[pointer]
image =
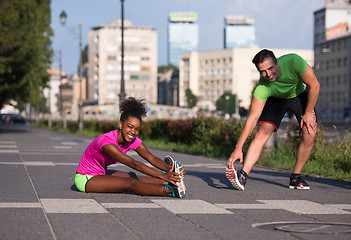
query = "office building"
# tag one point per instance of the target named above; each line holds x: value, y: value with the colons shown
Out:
x: 183, y: 35
x: 140, y: 63
x: 332, y: 48
x: 239, y: 31
x: 210, y: 73
x: 168, y: 89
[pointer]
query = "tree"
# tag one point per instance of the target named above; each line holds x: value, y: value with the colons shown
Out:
x: 226, y: 102
x: 84, y: 57
x: 25, y: 49
x: 162, y: 68
x: 191, y: 98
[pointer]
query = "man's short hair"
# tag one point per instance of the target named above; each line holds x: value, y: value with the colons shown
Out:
x: 262, y: 55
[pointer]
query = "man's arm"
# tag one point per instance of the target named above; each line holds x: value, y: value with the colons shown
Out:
x: 255, y: 113
x: 311, y: 81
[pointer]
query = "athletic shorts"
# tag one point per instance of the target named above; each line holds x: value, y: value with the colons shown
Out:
x: 81, y: 180
x: 275, y: 109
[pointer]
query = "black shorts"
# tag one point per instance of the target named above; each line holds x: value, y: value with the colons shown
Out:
x: 275, y: 109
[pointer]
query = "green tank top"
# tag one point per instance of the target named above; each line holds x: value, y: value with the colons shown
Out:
x: 289, y: 84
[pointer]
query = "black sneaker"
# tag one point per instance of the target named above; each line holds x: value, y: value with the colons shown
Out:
x: 178, y: 168
x: 298, y: 183
x: 238, y: 180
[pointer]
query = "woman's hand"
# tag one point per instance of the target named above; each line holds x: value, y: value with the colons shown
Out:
x: 172, y: 177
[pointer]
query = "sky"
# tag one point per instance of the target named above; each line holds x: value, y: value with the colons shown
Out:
x: 286, y: 24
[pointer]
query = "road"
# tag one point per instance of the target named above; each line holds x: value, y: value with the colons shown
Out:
x: 38, y: 199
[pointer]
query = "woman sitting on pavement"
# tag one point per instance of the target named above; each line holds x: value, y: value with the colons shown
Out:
x: 111, y: 147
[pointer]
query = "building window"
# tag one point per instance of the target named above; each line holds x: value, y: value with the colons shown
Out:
x: 112, y: 48
x: 111, y: 58
x: 145, y: 68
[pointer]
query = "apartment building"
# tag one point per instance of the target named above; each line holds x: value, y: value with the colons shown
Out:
x: 332, y: 48
x: 140, y: 63
x: 210, y: 73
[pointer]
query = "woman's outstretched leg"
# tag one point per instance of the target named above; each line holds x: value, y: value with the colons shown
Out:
x: 144, y: 179
x: 114, y: 184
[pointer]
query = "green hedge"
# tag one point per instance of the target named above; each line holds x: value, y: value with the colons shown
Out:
x: 211, y: 137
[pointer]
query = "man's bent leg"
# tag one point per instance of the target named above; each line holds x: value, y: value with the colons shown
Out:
x: 262, y: 136
x: 304, y: 150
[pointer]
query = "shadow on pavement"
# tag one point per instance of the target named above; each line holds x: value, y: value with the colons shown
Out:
x: 212, y: 178
x: 12, y: 128
x: 320, y: 180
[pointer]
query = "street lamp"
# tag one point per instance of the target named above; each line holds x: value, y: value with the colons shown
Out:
x: 227, y: 103
x: 63, y: 18
x: 122, y: 94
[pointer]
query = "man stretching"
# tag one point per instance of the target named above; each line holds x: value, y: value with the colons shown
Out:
x: 281, y: 88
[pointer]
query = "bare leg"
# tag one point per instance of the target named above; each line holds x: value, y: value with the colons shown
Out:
x: 144, y: 179
x: 304, y: 150
x: 255, y: 149
x: 114, y: 184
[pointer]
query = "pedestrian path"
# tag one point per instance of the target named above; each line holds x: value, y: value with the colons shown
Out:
x: 38, y: 199
x: 193, y: 206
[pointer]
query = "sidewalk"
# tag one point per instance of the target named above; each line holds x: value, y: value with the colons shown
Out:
x: 38, y: 199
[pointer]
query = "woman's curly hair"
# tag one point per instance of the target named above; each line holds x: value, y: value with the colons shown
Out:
x: 132, y: 107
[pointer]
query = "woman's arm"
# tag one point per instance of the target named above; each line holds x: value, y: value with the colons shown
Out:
x: 148, y: 156
x: 116, y: 154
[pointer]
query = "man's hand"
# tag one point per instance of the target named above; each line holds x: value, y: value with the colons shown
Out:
x: 236, y: 154
x: 309, y: 120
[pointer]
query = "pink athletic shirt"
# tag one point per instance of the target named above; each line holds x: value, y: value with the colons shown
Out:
x: 95, y: 161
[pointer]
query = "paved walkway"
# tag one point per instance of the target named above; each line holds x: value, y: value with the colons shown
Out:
x: 39, y: 201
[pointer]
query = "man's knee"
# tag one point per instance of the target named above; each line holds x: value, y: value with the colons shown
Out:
x: 309, y: 138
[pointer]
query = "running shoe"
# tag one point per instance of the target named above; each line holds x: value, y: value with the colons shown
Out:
x: 238, y: 180
x: 169, y: 161
x: 175, y: 190
x: 298, y: 183
x: 178, y: 168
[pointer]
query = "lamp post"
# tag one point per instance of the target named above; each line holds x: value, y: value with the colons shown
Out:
x: 122, y: 94
x: 63, y: 18
x: 227, y: 104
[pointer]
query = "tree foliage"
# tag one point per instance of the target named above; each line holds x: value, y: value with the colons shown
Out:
x: 162, y: 68
x: 191, y: 98
x: 226, y: 102
x: 25, y: 49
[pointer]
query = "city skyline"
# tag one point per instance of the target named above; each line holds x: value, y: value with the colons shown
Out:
x: 278, y: 23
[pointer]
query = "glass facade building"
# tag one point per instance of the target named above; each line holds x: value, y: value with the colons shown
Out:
x: 239, y: 31
x: 183, y: 35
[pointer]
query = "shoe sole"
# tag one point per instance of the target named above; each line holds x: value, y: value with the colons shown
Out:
x: 178, y: 168
x: 181, y: 186
x: 299, y: 188
x: 232, y: 176
x: 169, y: 161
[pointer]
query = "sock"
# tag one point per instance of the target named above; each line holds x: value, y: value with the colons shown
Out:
x: 244, y: 173
x: 294, y: 175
